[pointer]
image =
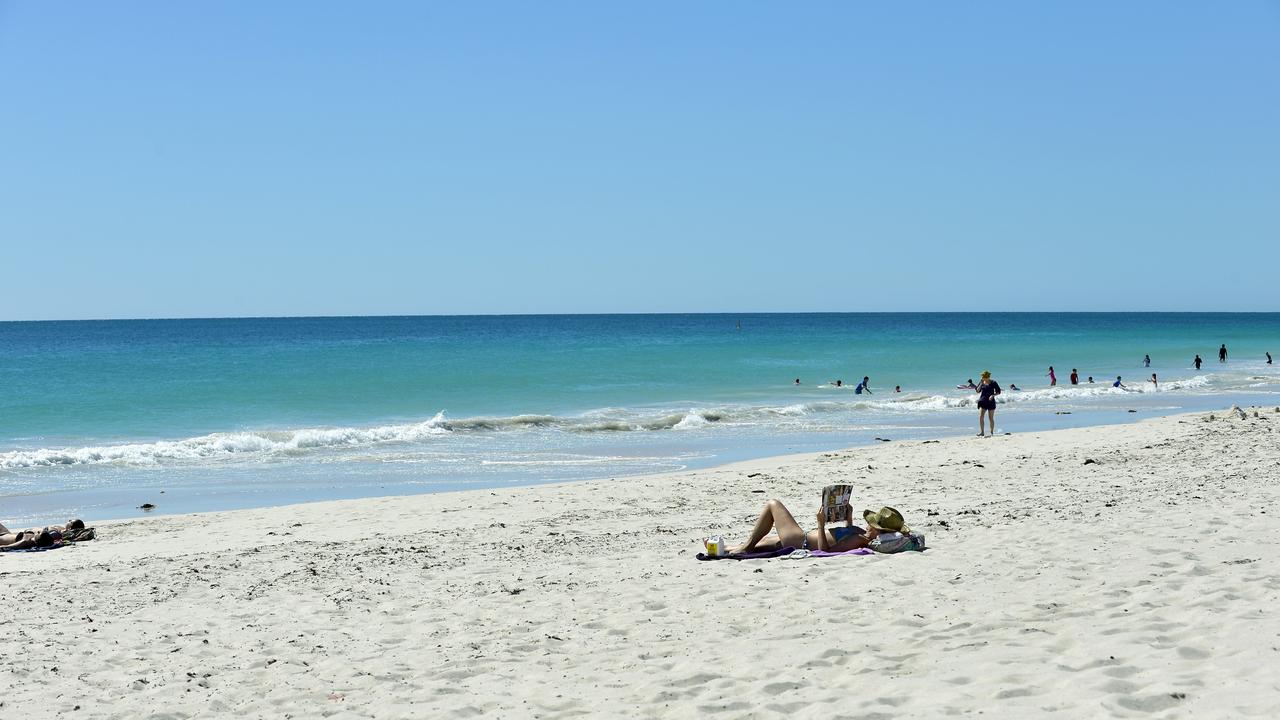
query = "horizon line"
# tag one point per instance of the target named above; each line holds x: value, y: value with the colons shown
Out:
x: 636, y: 313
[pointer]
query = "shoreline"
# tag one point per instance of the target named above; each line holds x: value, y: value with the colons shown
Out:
x: 185, y: 496
x: 584, y: 597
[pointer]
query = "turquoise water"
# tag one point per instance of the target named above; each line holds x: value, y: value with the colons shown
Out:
x: 99, y: 417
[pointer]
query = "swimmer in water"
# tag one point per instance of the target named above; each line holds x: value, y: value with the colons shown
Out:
x: 839, y: 383
x: 1146, y: 361
x: 1153, y: 380
x: 797, y: 381
x: 1197, y: 362
x: 1053, y: 378
x: 1075, y: 377
x: 897, y: 388
x: 1013, y: 386
x: 864, y: 386
x: 1117, y: 383
x: 1090, y: 379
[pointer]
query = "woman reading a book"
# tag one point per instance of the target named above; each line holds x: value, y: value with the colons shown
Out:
x: 836, y: 537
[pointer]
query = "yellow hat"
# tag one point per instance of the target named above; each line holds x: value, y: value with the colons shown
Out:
x: 986, y: 374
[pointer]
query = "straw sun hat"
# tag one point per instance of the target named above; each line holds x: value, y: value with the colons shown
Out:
x: 887, y: 520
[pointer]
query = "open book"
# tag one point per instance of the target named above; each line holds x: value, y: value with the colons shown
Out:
x: 835, y: 502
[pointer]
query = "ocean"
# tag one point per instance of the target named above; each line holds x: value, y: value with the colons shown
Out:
x: 99, y: 417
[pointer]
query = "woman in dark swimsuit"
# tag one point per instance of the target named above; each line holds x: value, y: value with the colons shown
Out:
x: 987, y: 391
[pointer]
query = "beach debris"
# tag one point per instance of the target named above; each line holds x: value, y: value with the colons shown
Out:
x: 147, y: 506
x: 1133, y: 411
x: 1211, y: 417
x: 759, y: 570
x: 761, y: 492
x: 1091, y: 461
x: 755, y: 475
x: 1242, y: 561
x: 979, y: 465
x: 882, y: 439
x: 931, y: 513
x: 970, y: 511
x: 1063, y: 412
x: 1178, y: 695
x: 926, y: 442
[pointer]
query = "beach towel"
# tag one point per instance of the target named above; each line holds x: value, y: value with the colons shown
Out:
x: 786, y: 552
x: 748, y: 556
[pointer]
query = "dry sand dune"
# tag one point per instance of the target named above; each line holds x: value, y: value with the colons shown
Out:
x: 1144, y: 584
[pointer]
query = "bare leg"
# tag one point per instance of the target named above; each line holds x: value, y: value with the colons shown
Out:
x: 991, y: 418
x: 982, y: 412
x: 774, y: 516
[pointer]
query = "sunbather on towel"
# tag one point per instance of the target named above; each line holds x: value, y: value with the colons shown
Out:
x: 36, y: 537
x: 834, y: 538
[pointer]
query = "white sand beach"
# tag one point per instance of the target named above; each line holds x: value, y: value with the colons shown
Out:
x: 1144, y: 584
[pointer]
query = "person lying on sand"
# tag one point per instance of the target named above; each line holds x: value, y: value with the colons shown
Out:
x: 36, y: 537
x: 886, y: 533
x: 775, y: 516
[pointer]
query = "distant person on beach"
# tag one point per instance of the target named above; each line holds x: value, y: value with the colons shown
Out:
x: 1197, y: 361
x: 1075, y: 377
x: 1117, y: 383
x: 1153, y: 380
x: 1268, y: 358
x: 987, y: 392
x: 36, y: 537
x: 1222, y: 353
x: 1146, y: 361
x: 1053, y: 379
x: 897, y: 388
x: 864, y: 386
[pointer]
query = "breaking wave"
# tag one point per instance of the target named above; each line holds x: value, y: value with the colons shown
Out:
x: 272, y: 444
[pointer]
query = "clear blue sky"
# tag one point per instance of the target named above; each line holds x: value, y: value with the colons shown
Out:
x: 162, y: 159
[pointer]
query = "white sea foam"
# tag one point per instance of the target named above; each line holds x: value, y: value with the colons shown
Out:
x: 816, y: 414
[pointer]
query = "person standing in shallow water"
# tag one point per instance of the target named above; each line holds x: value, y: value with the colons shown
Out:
x: 1268, y: 358
x: 1146, y: 361
x: 1222, y: 353
x: 1198, y: 361
x: 987, y: 391
x: 1075, y: 377
x: 1053, y: 379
